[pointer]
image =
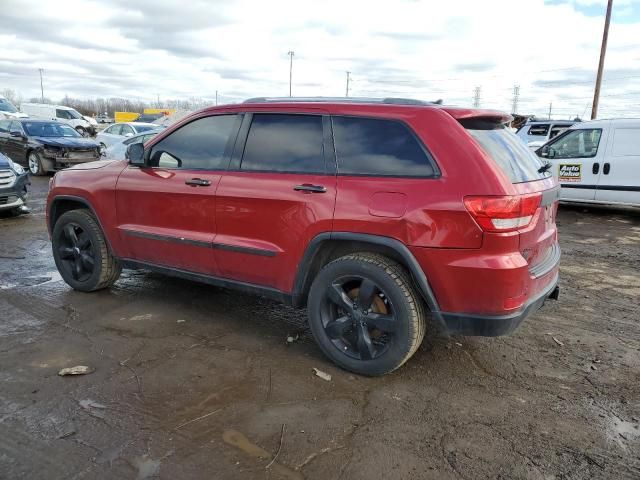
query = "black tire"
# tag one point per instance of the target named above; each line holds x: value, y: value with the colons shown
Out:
x: 34, y: 162
x: 394, y: 321
x: 81, y: 252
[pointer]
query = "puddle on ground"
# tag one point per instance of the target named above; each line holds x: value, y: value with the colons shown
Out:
x: 147, y: 467
x: 238, y: 440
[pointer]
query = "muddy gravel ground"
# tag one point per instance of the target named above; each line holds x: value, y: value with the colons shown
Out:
x: 196, y: 382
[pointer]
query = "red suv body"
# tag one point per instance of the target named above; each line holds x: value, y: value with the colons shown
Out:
x: 266, y: 194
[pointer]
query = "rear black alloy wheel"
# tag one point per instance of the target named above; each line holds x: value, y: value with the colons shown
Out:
x: 81, y: 252
x: 358, y: 317
x: 76, y: 252
x: 365, y: 314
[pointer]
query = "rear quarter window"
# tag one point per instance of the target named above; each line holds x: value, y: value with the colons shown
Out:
x: 510, y: 153
x: 379, y: 147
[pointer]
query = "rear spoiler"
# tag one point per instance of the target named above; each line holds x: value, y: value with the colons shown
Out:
x: 470, y: 116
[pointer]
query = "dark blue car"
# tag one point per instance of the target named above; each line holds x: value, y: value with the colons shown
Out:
x: 13, y: 186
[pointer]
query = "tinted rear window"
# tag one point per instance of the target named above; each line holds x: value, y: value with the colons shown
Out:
x: 510, y: 153
x: 284, y: 143
x: 371, y: 146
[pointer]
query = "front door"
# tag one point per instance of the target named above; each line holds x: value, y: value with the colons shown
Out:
x: 279, y: 193
x: 166, y: 210
x: 620, y: 178
x: 577, y: 161
x: 16, y: 147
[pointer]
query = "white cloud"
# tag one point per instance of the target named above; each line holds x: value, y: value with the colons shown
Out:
x: 410, y: 48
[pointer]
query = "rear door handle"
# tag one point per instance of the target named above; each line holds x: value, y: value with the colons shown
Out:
x: 307, y: 187
x: 606, y: 168
x: 596, y: 168
x: 198, y: 182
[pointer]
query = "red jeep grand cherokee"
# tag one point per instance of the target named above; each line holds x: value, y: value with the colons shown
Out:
x: 371, y: 213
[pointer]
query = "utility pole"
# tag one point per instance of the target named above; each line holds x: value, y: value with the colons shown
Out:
x: 158, y: 97
x: 516, y: 94
x: 290, y: 53
x: 603, y: 51
x: 550, y: 106
x: 476, y: 97
x: 41, y: 70
x: 216, y: 97
x: 348, y: 74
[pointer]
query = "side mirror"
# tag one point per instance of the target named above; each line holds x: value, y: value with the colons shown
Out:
x: 16, y: 133
x: 135, y: 154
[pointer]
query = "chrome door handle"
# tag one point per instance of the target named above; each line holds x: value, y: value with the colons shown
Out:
x: 307, y: 187
x: 198, y: 182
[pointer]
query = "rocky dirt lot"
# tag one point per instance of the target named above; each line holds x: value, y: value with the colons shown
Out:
x: 195, y: 382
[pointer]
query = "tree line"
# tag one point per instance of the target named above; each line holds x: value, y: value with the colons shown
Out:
x: 109, y: 105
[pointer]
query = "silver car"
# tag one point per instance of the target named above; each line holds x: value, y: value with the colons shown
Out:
x: 119, y: 131
x: 117, y: 151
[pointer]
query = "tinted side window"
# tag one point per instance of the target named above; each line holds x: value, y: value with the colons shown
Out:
x: 115, y: 129
x: 369, y: 146
x: 540, y: 130
x: 579, y: 143
x: 284, y: 143
x: 4, y: 126
x: 200, y: 144
x: 62, y: 114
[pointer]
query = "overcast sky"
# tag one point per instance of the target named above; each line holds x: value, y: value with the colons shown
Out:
x: 420, y: 49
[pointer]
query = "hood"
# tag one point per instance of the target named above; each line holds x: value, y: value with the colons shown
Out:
x: 92, y: 165
x: 13, y: 115
x: 67, y: 142
x: 91, y: 120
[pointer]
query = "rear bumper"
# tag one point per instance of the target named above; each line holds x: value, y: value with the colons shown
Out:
x: 494, y: 326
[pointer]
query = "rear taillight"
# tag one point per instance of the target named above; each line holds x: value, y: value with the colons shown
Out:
x: 503, y: 214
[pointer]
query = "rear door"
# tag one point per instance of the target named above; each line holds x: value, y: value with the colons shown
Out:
x: 166, y: 211
x: 619, y: 181
x: 577, y: 157
x: 278, y: 194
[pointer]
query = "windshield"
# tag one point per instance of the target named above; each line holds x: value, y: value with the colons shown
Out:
x: 73, y: 114
x: 42, y: 129
x: 144, y: 128
x: 510, y: 153
x: 7, y: 106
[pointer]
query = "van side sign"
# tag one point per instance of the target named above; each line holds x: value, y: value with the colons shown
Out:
x: 570, y: 172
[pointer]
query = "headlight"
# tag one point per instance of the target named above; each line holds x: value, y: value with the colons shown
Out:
x: 16, y: 168
x: 51, y: 152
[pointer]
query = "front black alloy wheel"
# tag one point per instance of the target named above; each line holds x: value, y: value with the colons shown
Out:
x: 81, y: 252
x: 365, y: 314
x: 76, y: 252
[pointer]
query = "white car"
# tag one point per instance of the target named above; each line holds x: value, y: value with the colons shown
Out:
x: 118, y: 131
x: 8, y: 110
x: 597, y: 162
x: 118, y: 150
x: 60, y: 113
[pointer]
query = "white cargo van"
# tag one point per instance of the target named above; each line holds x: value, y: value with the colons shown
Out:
x: 9, y: 110
x: 60, y: 113
x: 597, y: 162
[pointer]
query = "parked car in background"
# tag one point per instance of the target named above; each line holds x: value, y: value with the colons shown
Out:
x: 13, y: 186
x: 104, y: 118
x: 9, y: 110
x: 117, y: 131
x: 537, y: 133
x: 368, y: 212
x: 60, y: 113
x: 45, y: 146
x: 597, y: 162
x: 118, y: 150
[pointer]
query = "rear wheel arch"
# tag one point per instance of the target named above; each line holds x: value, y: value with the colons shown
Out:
x: 327, y: 247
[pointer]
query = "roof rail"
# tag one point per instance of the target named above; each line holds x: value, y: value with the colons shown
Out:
x: 388, y: 100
